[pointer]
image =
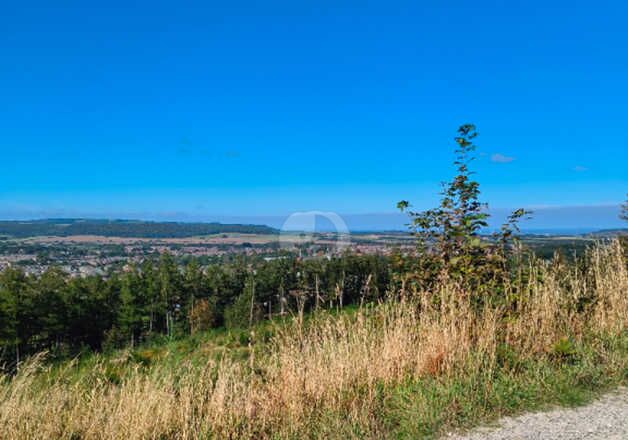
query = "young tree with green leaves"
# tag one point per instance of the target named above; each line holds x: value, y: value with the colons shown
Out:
x: 449, y: 241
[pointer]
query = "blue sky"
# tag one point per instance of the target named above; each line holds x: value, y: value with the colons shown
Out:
x: 209, y: 109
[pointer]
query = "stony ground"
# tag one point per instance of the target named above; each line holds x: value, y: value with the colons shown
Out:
x: 606, y: 418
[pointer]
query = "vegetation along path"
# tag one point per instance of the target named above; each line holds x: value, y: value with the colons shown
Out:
x: 606, y: 418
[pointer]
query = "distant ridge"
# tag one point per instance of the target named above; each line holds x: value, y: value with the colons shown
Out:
x: 122, y: 228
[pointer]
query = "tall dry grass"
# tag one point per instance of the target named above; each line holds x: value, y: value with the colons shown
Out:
x: 331, y: 365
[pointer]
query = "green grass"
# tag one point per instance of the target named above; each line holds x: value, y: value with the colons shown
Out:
x: 430, y: 407
x: 215, y: 343
x: 162, y: 352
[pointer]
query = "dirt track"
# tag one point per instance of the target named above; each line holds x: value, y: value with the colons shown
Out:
x: 606, y: 418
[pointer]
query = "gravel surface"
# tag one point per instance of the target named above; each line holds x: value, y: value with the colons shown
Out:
x: 606, y: 418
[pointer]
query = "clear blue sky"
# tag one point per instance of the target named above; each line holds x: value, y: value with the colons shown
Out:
x: 264, y: 108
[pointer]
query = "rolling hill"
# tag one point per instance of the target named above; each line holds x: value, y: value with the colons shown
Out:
x: 123, y: 228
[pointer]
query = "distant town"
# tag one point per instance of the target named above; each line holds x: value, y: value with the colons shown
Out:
x: 91, y: 254
x: 84, y: 255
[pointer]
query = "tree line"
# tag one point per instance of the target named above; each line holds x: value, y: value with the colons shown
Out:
x: 64, y: 315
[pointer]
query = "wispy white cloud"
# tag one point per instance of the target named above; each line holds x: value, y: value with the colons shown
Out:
x: 500, y: 158
x: 579, y: 168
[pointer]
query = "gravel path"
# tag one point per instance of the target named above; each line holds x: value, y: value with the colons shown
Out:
x: 604, y: 419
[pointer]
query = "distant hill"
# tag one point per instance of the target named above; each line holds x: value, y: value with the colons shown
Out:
x: 123, y: 228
